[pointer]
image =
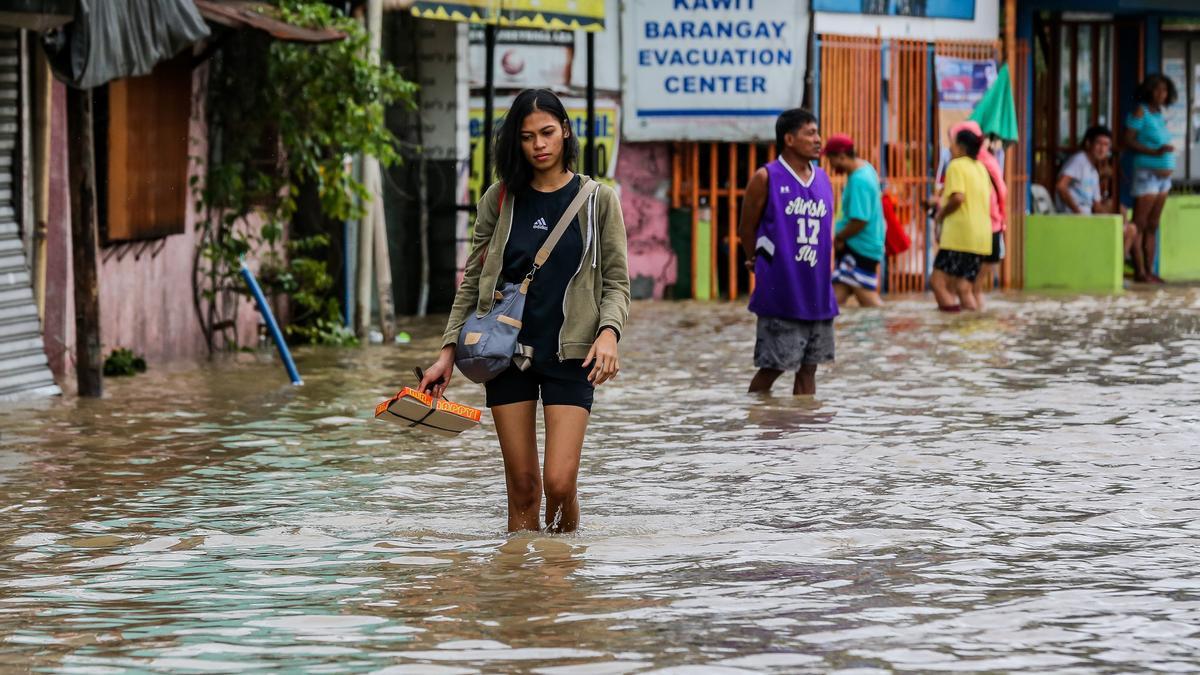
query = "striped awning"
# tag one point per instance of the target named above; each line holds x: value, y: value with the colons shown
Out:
x: 543, y: 14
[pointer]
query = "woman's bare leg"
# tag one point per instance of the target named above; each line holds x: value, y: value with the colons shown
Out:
x: 565, y: 429
x: 1142, y: 206
x: 1150, y: 236
x: 1131, y: 239
x: 517, y: 430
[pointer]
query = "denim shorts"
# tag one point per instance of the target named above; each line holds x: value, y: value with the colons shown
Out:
x: 1145, y: 182
x: 788, y: 344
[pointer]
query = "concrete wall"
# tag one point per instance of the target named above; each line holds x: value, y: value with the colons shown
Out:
x: 644, y: 175
x: 145, y: 287
x: 1074, y: 253
x: 1179, y: 239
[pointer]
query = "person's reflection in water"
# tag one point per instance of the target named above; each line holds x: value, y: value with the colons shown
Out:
x: 525, y: 594
x: 779, y: 416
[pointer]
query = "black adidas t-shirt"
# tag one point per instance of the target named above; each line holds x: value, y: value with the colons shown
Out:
x: 534, y: 215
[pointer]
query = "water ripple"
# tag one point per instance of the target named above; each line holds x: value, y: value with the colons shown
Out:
x: 1010, y: 491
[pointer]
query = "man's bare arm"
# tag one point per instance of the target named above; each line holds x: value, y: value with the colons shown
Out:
x: 954, y: 201
x: 753, y: 205
x: 853, y: 227
x: 1064, y: 193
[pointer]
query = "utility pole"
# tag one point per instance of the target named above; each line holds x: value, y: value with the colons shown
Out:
x: 589, y: 159
x: 82, y: 172
x: 372, y: 241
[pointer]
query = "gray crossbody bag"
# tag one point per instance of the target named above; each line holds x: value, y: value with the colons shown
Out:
x: 488, y: 344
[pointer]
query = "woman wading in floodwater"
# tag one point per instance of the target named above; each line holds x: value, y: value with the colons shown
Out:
x: 574, y: 312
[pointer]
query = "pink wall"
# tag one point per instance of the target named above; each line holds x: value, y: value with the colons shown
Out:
x: 145, y: 287
x: 644, y: 173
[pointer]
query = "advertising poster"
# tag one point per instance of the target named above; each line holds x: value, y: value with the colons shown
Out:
x: 524, y: 58
x: 960, y: 85
x: 607, y: 134
x: 712, y: 71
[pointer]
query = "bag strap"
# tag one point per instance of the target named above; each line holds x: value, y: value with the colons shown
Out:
x: 585, y: 190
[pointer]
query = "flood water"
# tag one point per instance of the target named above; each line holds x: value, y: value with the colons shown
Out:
x: 1017, y: 490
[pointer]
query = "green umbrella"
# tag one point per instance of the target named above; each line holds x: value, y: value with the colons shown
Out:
x: 996, y: 113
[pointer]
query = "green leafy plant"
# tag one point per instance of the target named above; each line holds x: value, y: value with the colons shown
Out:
x: 283, y: 118
x: 122, y: 362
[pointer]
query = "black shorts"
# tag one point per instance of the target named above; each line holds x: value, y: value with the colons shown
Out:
x: 559, y: 383
x: 958, y: 263
x: 997, y: 249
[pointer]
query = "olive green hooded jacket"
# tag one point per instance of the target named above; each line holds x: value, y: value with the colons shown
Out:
x: 598, y: 294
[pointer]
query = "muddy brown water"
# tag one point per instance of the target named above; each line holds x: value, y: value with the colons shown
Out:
x: 1017, y: 490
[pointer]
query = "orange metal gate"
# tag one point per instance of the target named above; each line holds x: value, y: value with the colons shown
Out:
x: 893, y: 126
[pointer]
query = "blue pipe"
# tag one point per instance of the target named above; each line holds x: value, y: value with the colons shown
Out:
x: 265, y: 310
x: 347, y: 277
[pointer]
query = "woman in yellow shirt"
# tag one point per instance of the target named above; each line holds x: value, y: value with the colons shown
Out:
x: 965, y: 226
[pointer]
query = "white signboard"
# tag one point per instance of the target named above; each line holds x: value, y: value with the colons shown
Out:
x: 443, y: 89
x: 524, y: 58
x: 712, y: 70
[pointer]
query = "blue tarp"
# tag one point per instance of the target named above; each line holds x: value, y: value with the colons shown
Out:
x: 108, y: 40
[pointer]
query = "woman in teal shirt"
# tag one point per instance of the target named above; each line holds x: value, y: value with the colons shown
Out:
x: 1147, y: 137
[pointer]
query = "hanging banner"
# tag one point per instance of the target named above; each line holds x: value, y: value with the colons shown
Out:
x: 607, y: 135
x: 712, y: 70
x: 961, y: 83
x: 552, y: 14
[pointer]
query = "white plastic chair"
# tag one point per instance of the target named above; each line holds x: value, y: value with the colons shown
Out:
x: 1040, y: 199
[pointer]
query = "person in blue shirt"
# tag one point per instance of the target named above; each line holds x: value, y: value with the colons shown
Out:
x: 1146, y: 135
x: 860, y: 230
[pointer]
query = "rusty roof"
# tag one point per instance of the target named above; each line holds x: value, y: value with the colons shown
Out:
x: 263, y: 17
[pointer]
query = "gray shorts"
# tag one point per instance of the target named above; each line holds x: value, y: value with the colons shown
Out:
x: 787, y: 344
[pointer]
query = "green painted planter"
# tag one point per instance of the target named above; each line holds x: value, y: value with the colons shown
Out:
x: 1074, y: 253
x: 1179, y: 239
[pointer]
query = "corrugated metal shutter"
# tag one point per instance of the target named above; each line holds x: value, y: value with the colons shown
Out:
x: 23, y: 368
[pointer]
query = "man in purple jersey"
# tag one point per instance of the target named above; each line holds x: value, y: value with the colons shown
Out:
x: 787, y: 235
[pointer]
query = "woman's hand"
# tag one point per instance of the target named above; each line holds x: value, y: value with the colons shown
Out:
x: 604, y: 353
x: 437, y: 376
x: 1165, y: 149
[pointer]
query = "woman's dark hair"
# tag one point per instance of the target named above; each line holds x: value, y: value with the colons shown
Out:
x: 789, y: 121
x: 1145, y: 90
x: 513, y: 169
x: 1095, y: 132
x: 970, y: 142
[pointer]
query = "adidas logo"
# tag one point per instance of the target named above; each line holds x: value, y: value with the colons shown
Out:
x: 785, y: 189
x: 540, y: 224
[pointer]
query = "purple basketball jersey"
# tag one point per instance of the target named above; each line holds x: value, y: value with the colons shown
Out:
x: 794, y: 267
